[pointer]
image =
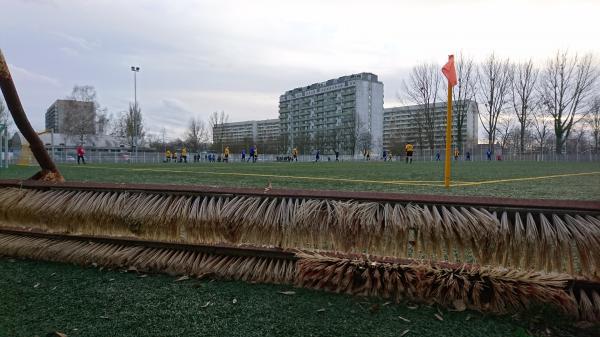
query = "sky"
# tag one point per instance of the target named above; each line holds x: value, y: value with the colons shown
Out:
x: 196, y: 57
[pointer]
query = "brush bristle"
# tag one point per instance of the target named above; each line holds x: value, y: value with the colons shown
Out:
x: 543, y: 242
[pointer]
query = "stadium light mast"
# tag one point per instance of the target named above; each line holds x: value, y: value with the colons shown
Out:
x: 135, y: 70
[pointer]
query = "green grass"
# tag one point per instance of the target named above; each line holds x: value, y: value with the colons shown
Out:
x: 83, y: 301
x: 357, y: 176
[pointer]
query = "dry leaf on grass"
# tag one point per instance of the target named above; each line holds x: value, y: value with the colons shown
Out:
x: 412, y: 307
x: 404, y: 332
x: 143, y: 275
x: 104, y: 317
x: 386, y: 303
x: 468, y: 317
x: 459, y: 305
x: 205, y: 305
x: 440, y: 318
x: 269, y: 187
x: 56, y: 334
x: 404, y: 319
x: 234, y: 301
x: 36, y: 285
x: 287, y: 292
x: 321, y: 310
x: 182, y: 278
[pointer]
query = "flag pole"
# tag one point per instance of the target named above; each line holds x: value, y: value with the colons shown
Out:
x: 448, y: 138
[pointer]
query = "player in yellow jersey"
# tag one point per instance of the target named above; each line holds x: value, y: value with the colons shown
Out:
x: 226, y: 153
x: 409, y: 152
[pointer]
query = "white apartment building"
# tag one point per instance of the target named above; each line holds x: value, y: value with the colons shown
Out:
x: 343, y: 114
x: 401, y: 125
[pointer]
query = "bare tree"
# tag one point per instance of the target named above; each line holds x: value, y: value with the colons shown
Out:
x: 215, y: 123
x: 197, y: 134
x: 78, y: 120
x: 364, y: 141
x: 593, y: 120
x: 542, y: 127
x: 565, y: 85
x: 494, y: 78
x: 5, y: 116
x: 130, y: 126
x: 465, y: 92
x: 423, y: 88
x: 102, y: 121
x: 504, y: 130
x: 522, y: 92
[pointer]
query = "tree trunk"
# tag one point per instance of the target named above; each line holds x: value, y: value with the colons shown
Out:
x: 522, y: 139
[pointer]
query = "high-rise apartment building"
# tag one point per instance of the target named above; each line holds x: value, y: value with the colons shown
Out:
x: 66, y: 114
x: 408, y: 124
x: 343, y: 114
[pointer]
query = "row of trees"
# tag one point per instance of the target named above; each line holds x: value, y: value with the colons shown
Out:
x: 521, y: 101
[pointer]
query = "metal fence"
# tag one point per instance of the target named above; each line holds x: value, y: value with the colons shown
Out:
x: 91, y: 157
x: 4, y: 153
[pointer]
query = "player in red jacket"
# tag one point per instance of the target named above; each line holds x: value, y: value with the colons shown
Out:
x: 80, y: 154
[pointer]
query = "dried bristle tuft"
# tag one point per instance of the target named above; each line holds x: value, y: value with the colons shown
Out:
x: 543, y: 242
x: 480, y: 288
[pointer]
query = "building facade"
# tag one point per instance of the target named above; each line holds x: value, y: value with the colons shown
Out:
x: 64, y: 114
x: 343, y: 114
x: 407, y: 124
x: 239, y: 135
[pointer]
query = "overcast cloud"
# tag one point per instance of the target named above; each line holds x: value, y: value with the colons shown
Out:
x: 239, y: 56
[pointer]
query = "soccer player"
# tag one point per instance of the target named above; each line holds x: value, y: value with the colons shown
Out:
x: 251, y: 157
x: 456, y: 153
x: 226, y: 154
x: 80, y: 154
x: 168, y: 156
x: 409, y: 152
x: 184, y: 154
x: 295, y: 154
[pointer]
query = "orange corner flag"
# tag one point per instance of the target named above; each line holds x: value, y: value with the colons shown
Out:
x: 449, y: 71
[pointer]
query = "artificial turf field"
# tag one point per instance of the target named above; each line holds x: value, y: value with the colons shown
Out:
x: 516, y: 179
x: 39, y: 297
